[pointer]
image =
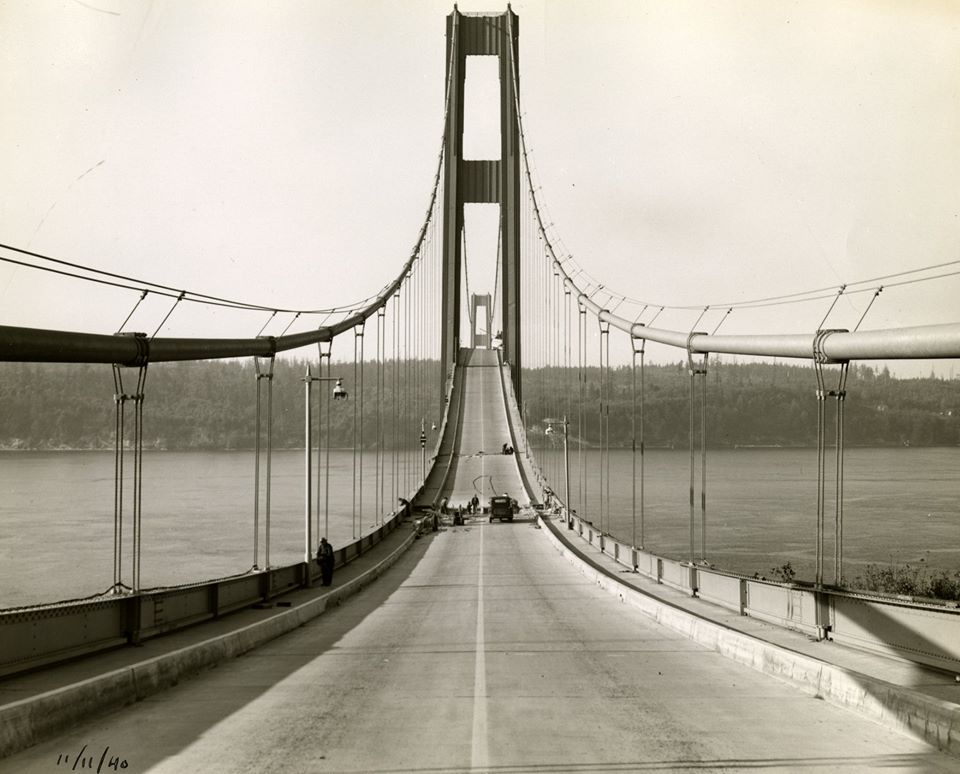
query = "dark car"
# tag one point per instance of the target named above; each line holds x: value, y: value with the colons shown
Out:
x: 501, y: 507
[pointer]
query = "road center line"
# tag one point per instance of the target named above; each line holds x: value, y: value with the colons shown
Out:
x: 479, y: 753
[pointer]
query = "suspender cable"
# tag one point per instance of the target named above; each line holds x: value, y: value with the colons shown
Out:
x: 833, y: 304
x: 170, y: 312
x: 379, y: 503
x: 841, y: 399
x: 325, y: 352
x: 143, y: 295
x: 268, y: 375
x: 266, y: 526
x: 821, y: 399
x: 703, y: 461
x: 695, y: 371
x: 643, y: 445
x: 581, y: 416
x: 308, y: 472
x: 356, y: 403
x: 407, y: 410
x: 877, y: 293
x: 605, y: 451
x: 360, y: 392
x: 256, y: 474
x: 118, y: 398
x: 395, y: 403
x: 568, y: 388
x: 600, y: 480
x: 557, y: 290
x: 138, y: 473
x: 634, y: 442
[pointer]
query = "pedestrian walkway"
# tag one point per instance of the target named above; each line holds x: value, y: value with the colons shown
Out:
x: 904, y: 695
x: 40, y: 703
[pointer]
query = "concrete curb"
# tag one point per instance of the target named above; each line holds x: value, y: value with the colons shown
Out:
x: 25, y: 722
x: 935, y: 721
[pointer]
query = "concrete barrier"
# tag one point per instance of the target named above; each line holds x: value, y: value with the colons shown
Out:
x: 931, y: 719
x: 27, y: 721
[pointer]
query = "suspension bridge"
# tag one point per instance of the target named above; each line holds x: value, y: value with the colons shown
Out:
x: 562, y: 639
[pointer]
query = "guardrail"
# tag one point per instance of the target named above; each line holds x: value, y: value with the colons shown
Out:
x: 925, y: 633
x: 39, y: 636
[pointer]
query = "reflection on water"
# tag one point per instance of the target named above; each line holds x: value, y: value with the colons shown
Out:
x: 56, y: 509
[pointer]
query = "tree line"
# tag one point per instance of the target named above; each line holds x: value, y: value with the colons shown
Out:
x: 212, y: 405
x: 748, y: 404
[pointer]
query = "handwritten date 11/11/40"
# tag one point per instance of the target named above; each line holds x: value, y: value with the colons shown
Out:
x: 84, y: 761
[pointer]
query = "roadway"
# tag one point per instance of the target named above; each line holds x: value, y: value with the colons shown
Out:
x: 479, y: 467
x: 483, y: 649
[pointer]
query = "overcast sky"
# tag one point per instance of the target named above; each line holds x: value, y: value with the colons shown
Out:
x: 283, y: 152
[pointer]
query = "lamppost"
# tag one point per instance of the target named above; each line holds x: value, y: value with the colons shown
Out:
x: 566, y: 463
x: 339, y: 393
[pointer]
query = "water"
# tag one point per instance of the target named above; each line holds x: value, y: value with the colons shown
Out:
x: 56, y: 512
x: 901, y: 506
x: 57, y: 516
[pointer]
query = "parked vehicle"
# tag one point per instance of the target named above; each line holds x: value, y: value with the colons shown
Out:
x: 501, y: 507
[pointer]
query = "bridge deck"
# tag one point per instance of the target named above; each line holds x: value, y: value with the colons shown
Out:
x: 481, y: 648
x: 480, y: 468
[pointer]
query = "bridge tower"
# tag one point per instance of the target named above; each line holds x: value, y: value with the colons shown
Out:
x: 494, y: 181
x: 478, y: 339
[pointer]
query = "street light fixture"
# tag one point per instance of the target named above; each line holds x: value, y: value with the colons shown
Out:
x: 339, y: 393
x: 566, y: 462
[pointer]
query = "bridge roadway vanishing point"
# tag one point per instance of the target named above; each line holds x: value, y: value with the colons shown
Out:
x: 481, y: 648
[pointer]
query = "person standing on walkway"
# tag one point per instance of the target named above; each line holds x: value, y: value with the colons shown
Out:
x: 325, y: 560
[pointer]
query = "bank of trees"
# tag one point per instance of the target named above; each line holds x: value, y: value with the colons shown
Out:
x: 211, y: 405
x: 753, y: 404
x: 205, y: 405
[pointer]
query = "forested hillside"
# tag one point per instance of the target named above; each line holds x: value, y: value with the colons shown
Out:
x: 203, y: 405
x: 212, y: 405
x: 754, y: 404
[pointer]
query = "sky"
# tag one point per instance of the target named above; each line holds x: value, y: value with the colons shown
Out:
x: 687, y: 153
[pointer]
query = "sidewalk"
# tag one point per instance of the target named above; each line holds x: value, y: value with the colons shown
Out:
x: 38, y: 704
x: 918, y: 700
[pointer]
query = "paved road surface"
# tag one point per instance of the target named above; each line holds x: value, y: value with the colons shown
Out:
x: 480, y: 468
x: 483, y: 649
